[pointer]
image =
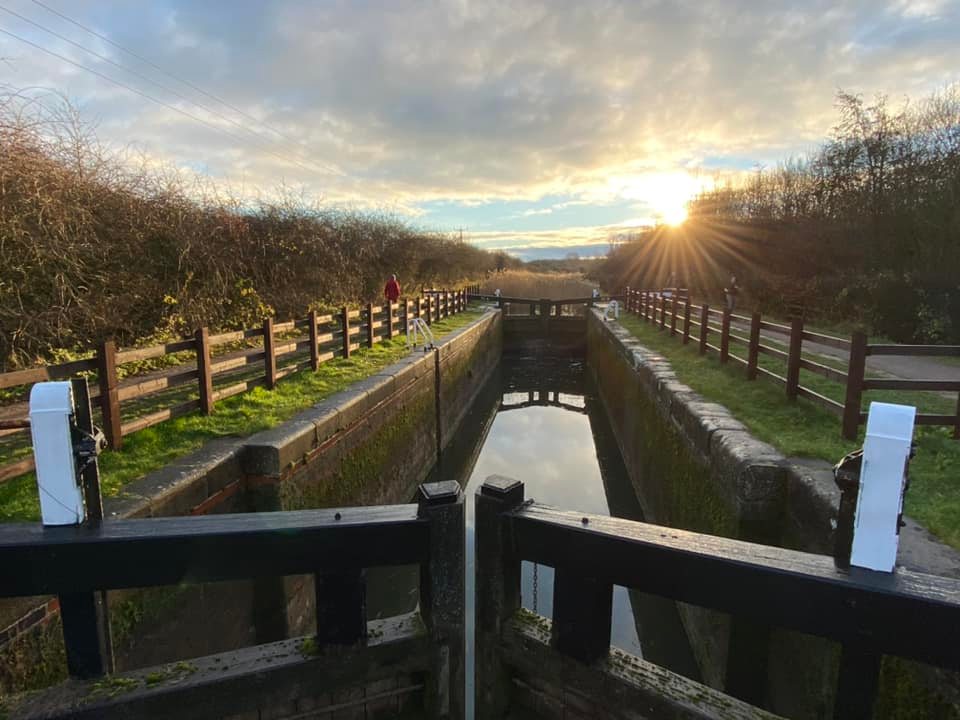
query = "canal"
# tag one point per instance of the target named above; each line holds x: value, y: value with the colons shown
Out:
x: 538, y: 419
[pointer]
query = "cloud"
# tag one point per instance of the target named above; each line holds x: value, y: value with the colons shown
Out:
x: 487, y: 102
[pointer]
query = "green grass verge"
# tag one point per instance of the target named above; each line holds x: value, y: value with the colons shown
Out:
x: 803, y: 429
x: 239, y: 416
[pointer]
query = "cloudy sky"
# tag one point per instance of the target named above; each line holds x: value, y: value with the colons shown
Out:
x: 548, y: 124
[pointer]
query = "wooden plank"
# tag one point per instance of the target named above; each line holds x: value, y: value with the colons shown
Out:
x: 824, y: 370
x: 915, y: 350
x: 148, y: 387
x: 16, y: 469
x: 352, y: 314
x: 47, y: 372
x: 160, y: 416
x: 235, y: 336
x: 902, y: 613
x: 284, y: 327
x: 821, y: 400
x: 931, y: 419
x: 237, y: 388
x: 206, y: 548
x: 154, y: 351
x: 22, y: 423
x: 776, y: 327
x: 773, y: 352
x: 771, y: 376
x: 897, y: 384
x: 830, y: 340
x: 248, y: 357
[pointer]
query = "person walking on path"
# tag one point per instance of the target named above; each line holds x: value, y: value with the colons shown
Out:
x: 391, y: 291
x: 731, y: 292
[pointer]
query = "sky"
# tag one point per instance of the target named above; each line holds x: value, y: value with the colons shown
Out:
x: 540, y: 127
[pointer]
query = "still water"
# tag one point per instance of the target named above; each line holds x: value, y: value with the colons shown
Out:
x: 538, y: 420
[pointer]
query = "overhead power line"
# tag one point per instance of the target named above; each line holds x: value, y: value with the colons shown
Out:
x: 215, y: 113
x: 144, y: 95
x: 184, y: 81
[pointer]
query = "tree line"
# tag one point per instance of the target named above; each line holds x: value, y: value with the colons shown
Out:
x: 866, y: 227
x: 97, y: 244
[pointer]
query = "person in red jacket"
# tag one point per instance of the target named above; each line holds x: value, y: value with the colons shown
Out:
x: 391, y: 291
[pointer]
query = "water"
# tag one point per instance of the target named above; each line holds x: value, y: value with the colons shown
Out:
x: 538, y: 420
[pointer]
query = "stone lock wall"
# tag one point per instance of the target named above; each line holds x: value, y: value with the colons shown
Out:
x: 695, y: 467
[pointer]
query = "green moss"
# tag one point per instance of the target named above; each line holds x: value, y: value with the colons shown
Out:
x: 138, y: 607
x: 308, y: 647
x: 111, y: 686
x: 906, y: 694
x: 170, y: 673
x: 34, y: 660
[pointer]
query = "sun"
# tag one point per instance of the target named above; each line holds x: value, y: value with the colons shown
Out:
x: 666, y: 194
x: 673, y: 214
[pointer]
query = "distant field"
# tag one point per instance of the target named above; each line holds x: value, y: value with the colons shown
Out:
x: 523, y: 283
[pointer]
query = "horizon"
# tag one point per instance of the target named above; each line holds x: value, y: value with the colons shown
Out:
x: 538, y: 131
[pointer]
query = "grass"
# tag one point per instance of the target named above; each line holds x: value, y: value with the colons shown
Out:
x: 804, y: 429
x: 239, y: 416
x: 526, y: 284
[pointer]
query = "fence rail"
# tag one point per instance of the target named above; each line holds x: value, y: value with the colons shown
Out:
x: 905, y: 614
x: 215, y: 367
x: 673, y: 311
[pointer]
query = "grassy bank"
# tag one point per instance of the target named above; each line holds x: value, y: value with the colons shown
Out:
x: 803, y: 429
x: 238, y: 416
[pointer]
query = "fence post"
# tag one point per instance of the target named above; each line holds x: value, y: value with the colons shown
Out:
x: 704, y: 327
x: 673, y: 315
x: 686, y: 320
x: 793, y: 357
x: 418, y: 303
x: 626, y: 298
x: 753, y: 349
x: 429, y: 299
x: 314, y: 342
x: 855, y: 373
x: 109, y: 398
x: 663, y: 313
x: 641, y: 310
x: 204, y: 373
x: 725, y: 337
x: 497, y: 592
x: 269, y: 354
x: 389, y: 319
x: 406, y: 316
x: 370, y: 334
x: 582, y: 615
x: 345, y: 324
x: 442, y: 587
x: 956, y: 427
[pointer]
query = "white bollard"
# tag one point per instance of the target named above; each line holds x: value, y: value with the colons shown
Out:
x: 886, y: 451
x: 613, y: 309
x: 51, y: 415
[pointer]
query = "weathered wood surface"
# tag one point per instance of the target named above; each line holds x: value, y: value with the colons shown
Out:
x: 903, y: 613
x: 163, y: 551
x: 618, y: 686
x: 216, y: 686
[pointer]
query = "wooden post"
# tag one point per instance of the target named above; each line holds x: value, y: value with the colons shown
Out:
x: 204, y: 372
x: 314, y: 341
x: 857, y: 683
x: 956, y: 427
x: 429, y: 299
x: 370, y: 334
x: 627, y: 298
x: 545, y: 306
x: 406, y: 316
x: 497, y: 592
x: 725, y: 337
x: 419, y: 304
x: 686, y: 320
x: 673, y: 315
x: 442, y: 586
x: 341, y: 606
x: 704, y: 327
x: 663, y: 312
x: 345, y: 324
x: 582, y: 615
x: 269, y: 354
x: 109, y: 398
x: 753, y: 349
x: 642, y: 309
x: 855, y: 372
x: 793, y: 357
x: 389, y: 318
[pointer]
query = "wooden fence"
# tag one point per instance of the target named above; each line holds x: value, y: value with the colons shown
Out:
x: 215, y: 366
x: 714, y: 330
x: 905, y: 614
